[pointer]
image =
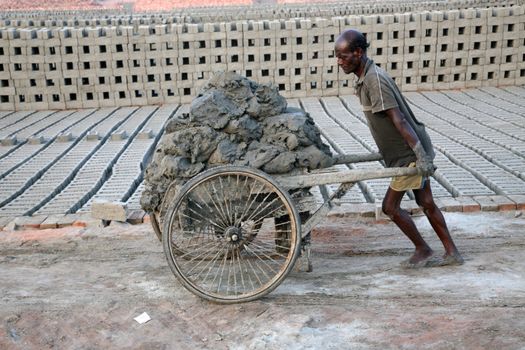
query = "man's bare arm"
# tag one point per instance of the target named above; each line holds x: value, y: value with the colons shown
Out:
x: 409, y: 135
x: 403, y: 126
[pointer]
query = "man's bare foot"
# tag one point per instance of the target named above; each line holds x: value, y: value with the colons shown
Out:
x: 418, y: 259
x: 420, y: 255
x: 445, y: 260
x: 453, y: 259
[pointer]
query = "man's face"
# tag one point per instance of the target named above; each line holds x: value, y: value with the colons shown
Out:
x: 348, y: 61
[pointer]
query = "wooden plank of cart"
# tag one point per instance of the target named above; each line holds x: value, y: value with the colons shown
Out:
x: 232, y: 233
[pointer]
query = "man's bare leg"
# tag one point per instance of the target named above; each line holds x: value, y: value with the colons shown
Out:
x: 392, y: 208
x: 425, y: 200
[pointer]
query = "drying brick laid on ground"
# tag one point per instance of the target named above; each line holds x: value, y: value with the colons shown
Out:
x: 234, y: 120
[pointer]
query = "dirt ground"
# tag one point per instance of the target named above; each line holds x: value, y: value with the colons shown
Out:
x: 80, y: 288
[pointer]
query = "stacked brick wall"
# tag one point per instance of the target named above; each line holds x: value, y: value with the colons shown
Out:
x: 167, y: 63
x: 50, y: 19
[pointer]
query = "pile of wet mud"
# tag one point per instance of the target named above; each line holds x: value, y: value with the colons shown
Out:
x: 236, y: 121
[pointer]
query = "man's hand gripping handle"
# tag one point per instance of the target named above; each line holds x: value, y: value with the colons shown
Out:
x: 424, y: 162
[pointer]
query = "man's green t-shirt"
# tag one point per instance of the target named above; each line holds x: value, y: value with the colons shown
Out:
x: 378, y: 93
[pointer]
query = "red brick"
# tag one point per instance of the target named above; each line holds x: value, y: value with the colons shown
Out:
x: 353, y: 210
x: 486, y: 203
x: 468, y: 204
x: 136, y: 217
x: 519, y: 199
x: 79, y: 223
x: 30, y: 222
x: 51, y: 222
x: 450, y: 204
x: 67, y: 220
x: 504, y: 203
x: 83, y: 220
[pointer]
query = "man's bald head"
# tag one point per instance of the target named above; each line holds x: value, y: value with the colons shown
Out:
x: 350, y: 51
x: 352, y: 40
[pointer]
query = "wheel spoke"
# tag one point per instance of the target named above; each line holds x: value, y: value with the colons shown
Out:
x: 225, y: 200
x: 254, y: 271
x: 201, y: 233
x: 222, y: 271
x: 268, y: 248
x: 282, y: 224
x: 255, y: 212
x: 268, y: 215
x: 211, y: 211
x: 219, y: 209
x: 206, y: 253
x: 264, y: 252
x: 210, y: 264
x: 263, y: 261
x: 230, y: 272
x: 210, y: 208
x: 240, y: 270
x: 239, y: 198
x: 206, y: 219
x: 251, y: 203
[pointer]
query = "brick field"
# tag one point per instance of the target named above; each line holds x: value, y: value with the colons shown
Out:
x: 59, y: 162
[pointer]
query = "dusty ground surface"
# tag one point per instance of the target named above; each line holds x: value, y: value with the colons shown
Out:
x: 80, y: 288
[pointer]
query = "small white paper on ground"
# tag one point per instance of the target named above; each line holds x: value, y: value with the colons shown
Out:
x: 142, y: 318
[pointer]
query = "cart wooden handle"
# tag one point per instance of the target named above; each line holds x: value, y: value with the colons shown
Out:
x: 353, y: 175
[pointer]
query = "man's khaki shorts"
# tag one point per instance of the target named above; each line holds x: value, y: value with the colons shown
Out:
x: 408, y: 182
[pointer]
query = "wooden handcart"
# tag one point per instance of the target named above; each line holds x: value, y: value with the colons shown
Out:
x: 232, y: 233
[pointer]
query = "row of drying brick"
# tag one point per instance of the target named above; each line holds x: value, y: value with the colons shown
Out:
x: 483, y: 134
x: 352, y: 136
x: 127, y: 172
x: 465, y: 204
x: 87, y: 173
x: 497, y: 134
x: 59, y: 154
x: 441, y: 108
x: 60, y: 170
x: 450, y: 178
x: 115, y: 170
x: 349, y: 118
x: 23, y: 169
x: 108, y: 17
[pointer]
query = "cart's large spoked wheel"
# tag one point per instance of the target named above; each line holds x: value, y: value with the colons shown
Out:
x: 219, y: 234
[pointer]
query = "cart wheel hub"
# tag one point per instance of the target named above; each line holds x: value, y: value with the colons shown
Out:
x: 233, y: 234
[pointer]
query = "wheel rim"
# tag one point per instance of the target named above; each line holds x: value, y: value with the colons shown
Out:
x: 233, y: 236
